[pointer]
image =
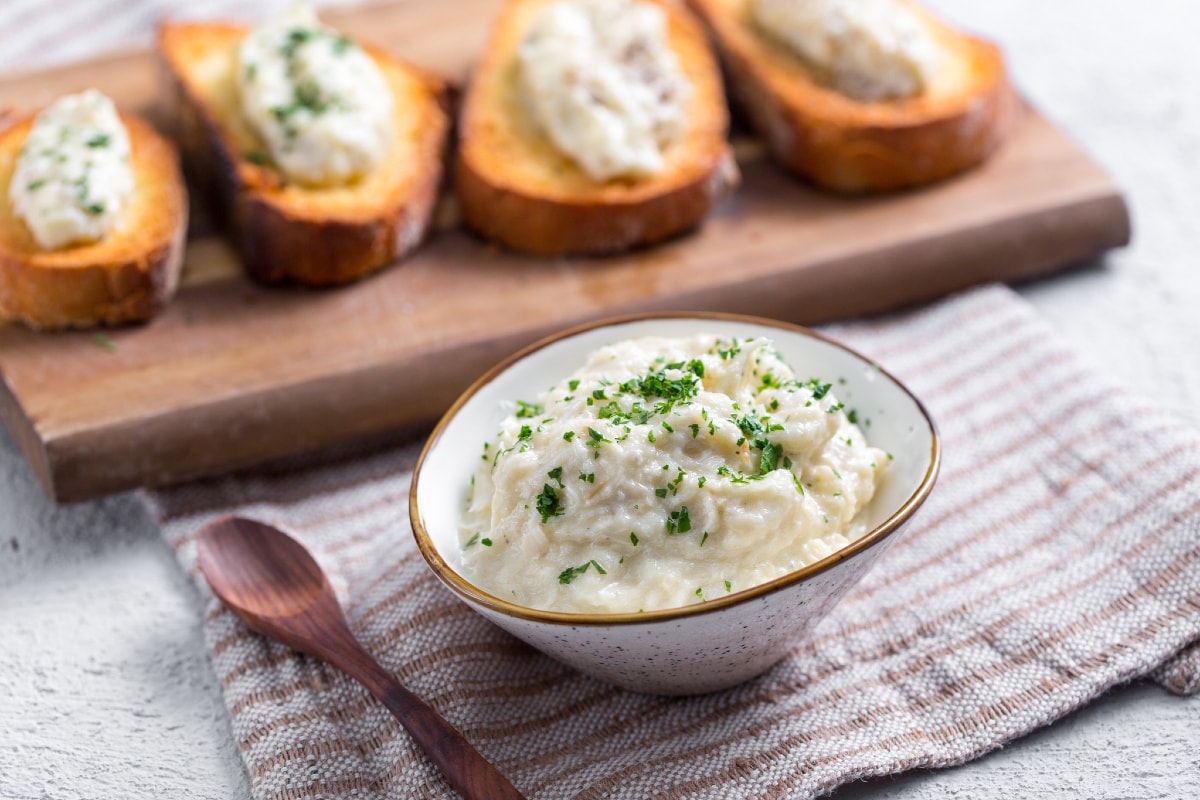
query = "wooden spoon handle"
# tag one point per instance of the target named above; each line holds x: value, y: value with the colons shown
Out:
x: 468, y: 771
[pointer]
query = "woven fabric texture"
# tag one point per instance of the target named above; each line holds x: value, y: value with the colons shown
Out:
x: 1056, y: 558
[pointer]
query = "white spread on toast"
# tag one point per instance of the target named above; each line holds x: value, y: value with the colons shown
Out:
x: 665, y: 472
x: 601, y: 81
x: 73, y: 177
x: 319, y: 102
x: 866, y: 49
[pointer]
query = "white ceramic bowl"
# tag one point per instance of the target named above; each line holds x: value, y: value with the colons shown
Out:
x: 702, y: 647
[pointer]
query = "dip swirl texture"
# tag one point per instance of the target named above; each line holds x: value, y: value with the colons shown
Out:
x: 665, y: 472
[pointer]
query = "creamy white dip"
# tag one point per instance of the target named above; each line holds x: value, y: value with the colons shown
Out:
x: 319, y: 102
x: 601, y: 81
x: 866, y: 49
x: 665, y: 472
x: 73, y: 178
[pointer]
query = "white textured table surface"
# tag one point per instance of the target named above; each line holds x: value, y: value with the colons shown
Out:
x: 105, y: 688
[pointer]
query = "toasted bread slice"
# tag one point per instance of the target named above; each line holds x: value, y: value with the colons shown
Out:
x: 851, y: 145
x: 516, y: 188
x: 286, y: 232
x: 128, y: 276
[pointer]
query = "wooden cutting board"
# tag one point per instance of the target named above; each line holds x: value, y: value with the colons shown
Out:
x: 234, y: 374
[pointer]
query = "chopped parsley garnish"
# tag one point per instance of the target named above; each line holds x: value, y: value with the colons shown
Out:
x: 568, y: 436
x: 571, y: 573
x: 105, y: 342
x: 587, y: 477
x: 471, y: 541
x: 729, y: 352
x: 695, y: 426
x: 769, y: 458
x: 704, y: 538
x: 556, y: 474
x: 573, y: 385
x: 32, y: 185
x: 99, y: 140
x: 679, y: 521
x: 295, y: 38
x: 728, y: 586
x: 95, y: 209
x: 595, y: 438
x: 527, y: 410
x: 525, y: 433
x: 660, y: 492
x: 633, y: 538
x: 749, y: 424
x: 819, y: 390
x: 486, y: 542
x: 548, y: 503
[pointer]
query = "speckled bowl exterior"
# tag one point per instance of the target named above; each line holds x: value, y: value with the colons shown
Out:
x: 706, y: 646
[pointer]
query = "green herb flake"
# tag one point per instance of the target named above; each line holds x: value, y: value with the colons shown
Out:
x: 105, y: 342
x: 633, y: 538
x: 660, y: 492
x: 556, y: 475
x: 99, y: 140
x: 679, y: 521
x: 728, y: 586
x: 695, y: 426
x: 769, y: 458
x: 486, y: 542
x: 528, y: 410
x: 525, y: 433
x: 35, y: 185
x: 571, y: 573
x: 568, y: 436
x: 587, y: 477
x: 548, y: 503
x: 471, y: 542
x: 704, y: 538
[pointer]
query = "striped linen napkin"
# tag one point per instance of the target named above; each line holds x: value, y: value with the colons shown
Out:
x: 1058, y: 556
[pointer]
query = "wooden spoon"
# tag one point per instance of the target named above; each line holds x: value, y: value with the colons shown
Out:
x: 273, y: 585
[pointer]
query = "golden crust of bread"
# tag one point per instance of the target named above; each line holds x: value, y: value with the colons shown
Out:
x: 517, y: 189
x: 850, y: 145
x: 283, y: 231
x: 128, y: 276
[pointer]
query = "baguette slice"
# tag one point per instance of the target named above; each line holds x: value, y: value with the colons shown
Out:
x: 286, y: 232
x: 516, y: 188
x: 853, y: 146
x: 128, y: 276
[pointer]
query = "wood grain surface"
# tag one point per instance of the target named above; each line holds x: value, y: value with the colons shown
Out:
x: 235, y: 374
